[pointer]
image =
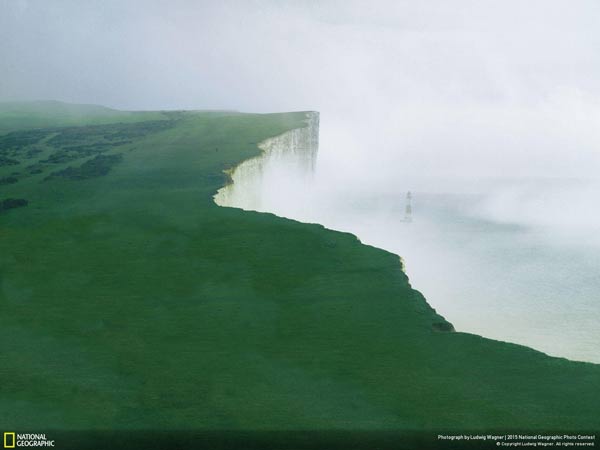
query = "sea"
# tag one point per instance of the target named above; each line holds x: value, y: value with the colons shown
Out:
x: 512, y: 260
x: 512, y: 282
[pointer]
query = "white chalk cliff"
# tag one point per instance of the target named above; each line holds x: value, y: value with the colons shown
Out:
x: 289, y: 156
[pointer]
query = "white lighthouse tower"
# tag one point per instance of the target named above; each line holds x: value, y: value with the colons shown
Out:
x: 408, y: 208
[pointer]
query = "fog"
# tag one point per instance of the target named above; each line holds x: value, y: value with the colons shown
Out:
x: 488, y: 109
x: 441, y: 88
x: 426, y: 95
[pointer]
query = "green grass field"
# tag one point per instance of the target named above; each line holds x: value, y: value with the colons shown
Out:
x: 42, y: 114
x: 129, y: 300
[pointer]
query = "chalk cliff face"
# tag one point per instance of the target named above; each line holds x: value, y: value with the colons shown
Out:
x: 289, y: 156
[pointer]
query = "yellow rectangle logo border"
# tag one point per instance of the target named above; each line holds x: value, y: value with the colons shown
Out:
x: 6, y: 435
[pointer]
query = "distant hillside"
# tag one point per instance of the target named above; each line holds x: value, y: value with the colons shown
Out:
x: 42, y: 114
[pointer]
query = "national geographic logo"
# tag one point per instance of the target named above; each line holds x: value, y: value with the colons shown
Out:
x: 9, y: 440
x: 19, y: 440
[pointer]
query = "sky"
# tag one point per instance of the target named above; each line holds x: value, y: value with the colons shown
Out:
x: 265, y: 55
x: 411, y: 93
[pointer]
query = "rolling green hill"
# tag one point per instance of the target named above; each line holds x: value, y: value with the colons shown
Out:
x: 40, y: 114
x: 130, y: 301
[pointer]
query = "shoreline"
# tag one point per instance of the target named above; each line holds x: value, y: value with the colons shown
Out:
x: 226, y: 197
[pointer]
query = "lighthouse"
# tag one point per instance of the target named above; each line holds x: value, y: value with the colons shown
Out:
x: 408, y: 208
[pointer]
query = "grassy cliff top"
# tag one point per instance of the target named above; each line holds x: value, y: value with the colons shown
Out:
x: 129, y: 300
x: 50, y: 113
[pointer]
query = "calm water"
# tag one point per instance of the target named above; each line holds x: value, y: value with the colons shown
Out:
x: 518, y: 263
x: 508, y: 282
x: 514, y: 283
